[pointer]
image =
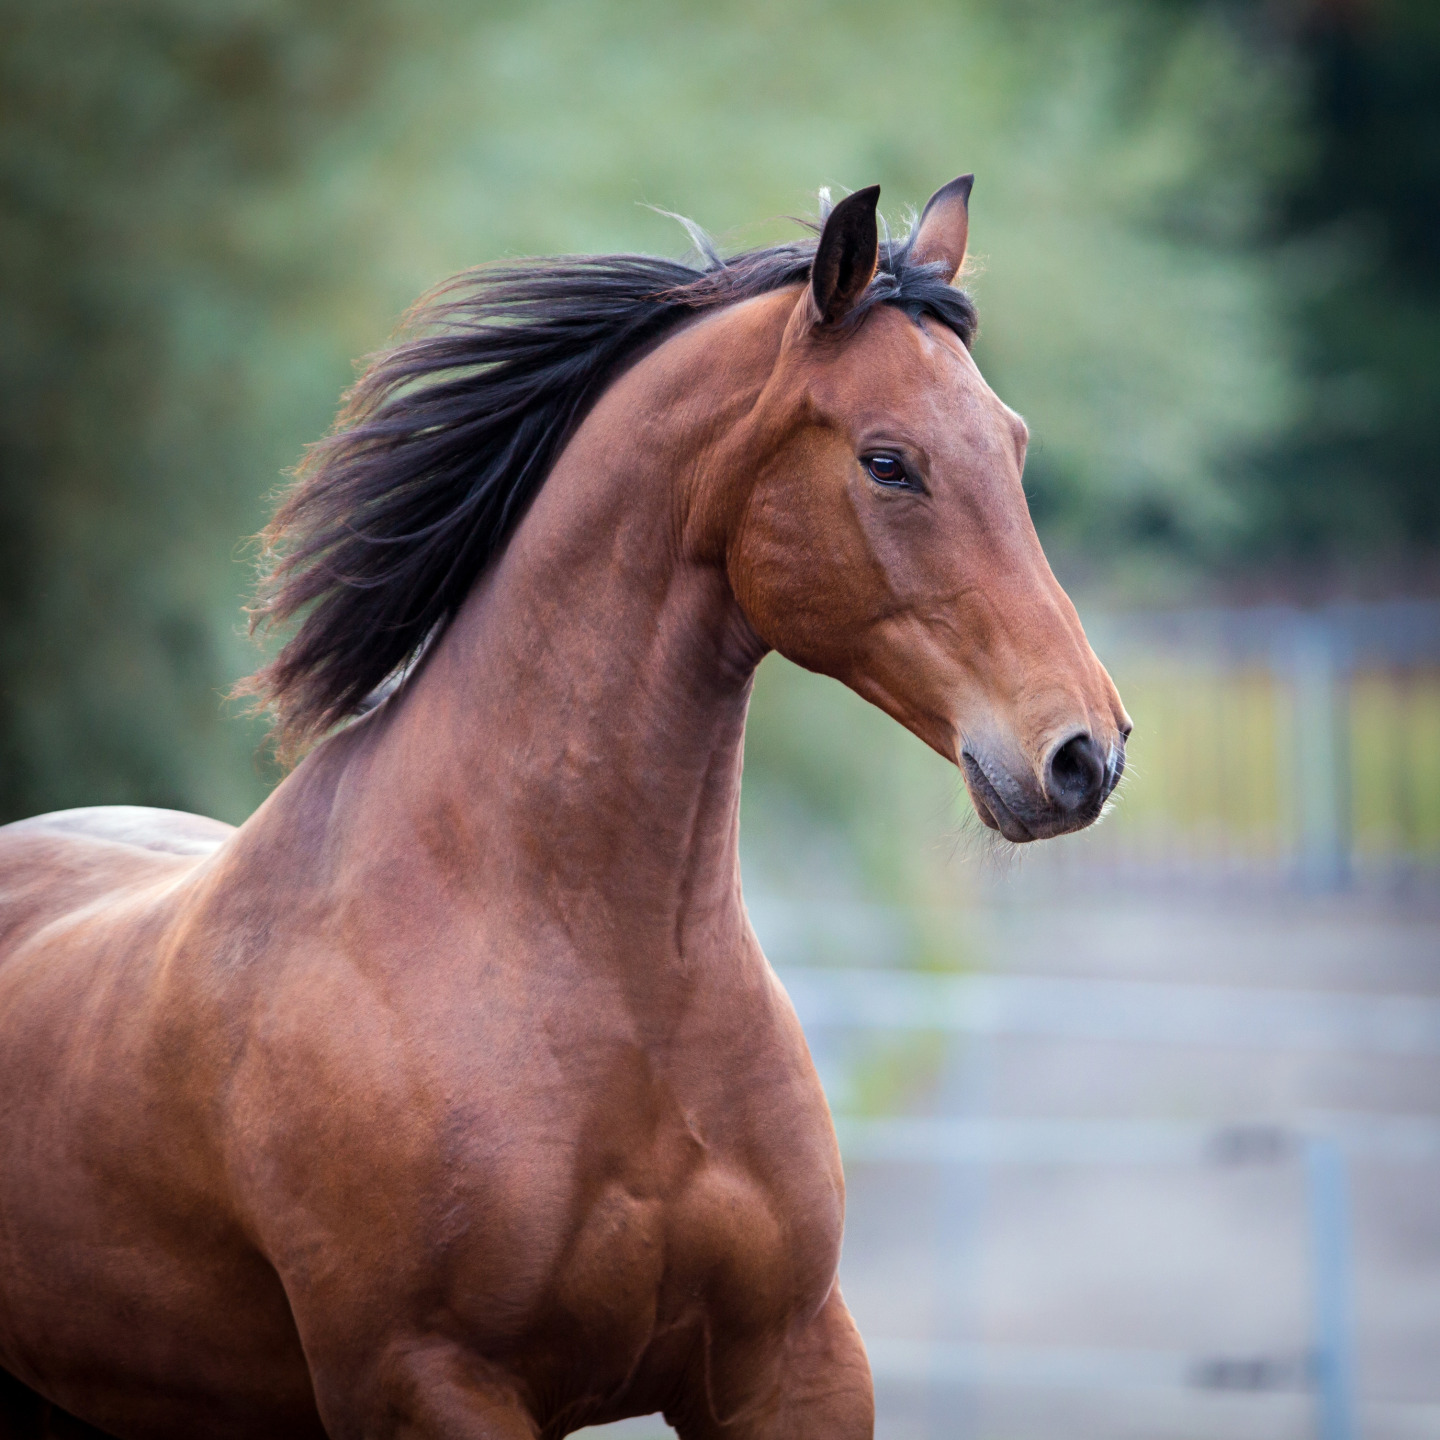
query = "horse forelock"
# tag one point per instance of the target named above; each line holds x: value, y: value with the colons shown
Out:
x: 448, y: 435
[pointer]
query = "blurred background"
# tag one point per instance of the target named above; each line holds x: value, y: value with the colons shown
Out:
x: 1142, y: 1130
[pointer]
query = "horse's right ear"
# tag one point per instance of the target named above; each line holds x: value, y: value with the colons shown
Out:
x: 846, y: 257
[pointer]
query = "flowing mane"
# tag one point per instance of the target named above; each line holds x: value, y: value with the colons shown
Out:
x: 446, y: 438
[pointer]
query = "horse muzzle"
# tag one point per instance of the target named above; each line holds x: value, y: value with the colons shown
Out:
x: 1078, y: 775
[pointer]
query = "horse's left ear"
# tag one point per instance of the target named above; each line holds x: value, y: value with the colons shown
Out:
x: 846, y: 257
x: 944, y: 227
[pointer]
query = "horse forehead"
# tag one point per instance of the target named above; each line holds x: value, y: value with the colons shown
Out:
x: 912, y: 369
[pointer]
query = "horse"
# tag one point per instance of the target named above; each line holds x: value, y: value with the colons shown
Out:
x: 451, y: 1094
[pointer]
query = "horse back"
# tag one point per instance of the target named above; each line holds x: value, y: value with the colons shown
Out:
x: 53, y: 865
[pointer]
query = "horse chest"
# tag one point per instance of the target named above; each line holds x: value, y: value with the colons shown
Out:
x: 601, y: 1197
x: 727, y: 1255
x: 657, y: 1215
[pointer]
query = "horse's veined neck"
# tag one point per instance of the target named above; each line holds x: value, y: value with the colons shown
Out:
x: 581, y: 724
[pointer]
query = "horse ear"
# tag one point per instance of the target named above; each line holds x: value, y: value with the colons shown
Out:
x: 846, y: 257
x: 944, y: 227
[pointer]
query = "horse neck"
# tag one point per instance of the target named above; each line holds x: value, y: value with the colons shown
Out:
x: 576, y: 737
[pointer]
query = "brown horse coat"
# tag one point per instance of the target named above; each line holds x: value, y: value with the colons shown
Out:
x: 451, y: 1094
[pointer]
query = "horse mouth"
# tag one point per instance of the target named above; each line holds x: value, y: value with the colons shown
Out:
x: 991, y: 809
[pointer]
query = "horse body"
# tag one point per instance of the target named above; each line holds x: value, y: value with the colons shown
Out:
x: 122, y: 1252
x: 355, y: 1200
x: 451, y: 1094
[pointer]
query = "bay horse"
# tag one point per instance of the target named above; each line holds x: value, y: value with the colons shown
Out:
x: 451, y: 1094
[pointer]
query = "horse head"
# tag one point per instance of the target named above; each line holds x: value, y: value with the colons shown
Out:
x: 883, y: 536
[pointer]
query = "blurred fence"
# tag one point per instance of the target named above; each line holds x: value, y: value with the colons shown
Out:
x: 1273, y: 743
x: 964, y: 1144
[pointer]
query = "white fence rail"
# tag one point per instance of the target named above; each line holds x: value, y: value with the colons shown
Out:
x: 963, y: 1144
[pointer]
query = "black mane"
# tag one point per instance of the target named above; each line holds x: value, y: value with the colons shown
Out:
x: 446, y: 438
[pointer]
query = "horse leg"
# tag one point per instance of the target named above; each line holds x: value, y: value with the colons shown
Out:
x: 27, y: 1415
x: 421, y: 1389
x: 825, y: 1391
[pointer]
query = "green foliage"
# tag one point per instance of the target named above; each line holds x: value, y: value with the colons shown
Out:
x: 1355, y: 483
x: 207, y: 207
x: 1124, y: 160
x: 156, y: 365
x: 841, y: 805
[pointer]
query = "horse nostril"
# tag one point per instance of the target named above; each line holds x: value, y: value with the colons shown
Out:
x: 1075, y: 777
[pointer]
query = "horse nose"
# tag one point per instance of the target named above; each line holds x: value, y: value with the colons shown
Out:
x: 1075, y: 778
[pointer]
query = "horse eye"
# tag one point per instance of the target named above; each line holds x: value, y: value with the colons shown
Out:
x: 886, y: 470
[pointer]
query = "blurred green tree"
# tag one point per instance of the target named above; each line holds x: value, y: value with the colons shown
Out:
x: 208, y: 206
x: 150, y: 361
x: 1355, y: 484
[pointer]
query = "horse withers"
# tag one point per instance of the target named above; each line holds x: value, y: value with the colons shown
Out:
x: 451, y: 1095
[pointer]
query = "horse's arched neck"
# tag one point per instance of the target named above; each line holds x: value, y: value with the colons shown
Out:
x: 577, y: 734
